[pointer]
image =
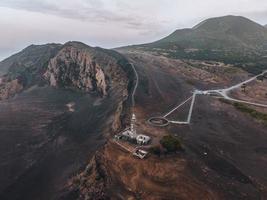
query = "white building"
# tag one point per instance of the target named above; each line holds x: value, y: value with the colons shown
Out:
x: 140, y: 153
x: 128, y: 134
x: 142, y: 139
x: 131, y: 135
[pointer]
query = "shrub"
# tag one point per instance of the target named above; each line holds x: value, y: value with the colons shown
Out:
x: 225, y: 101
x: 190, y: 82
x: 253, y: 113
x: 171, y: 143
x: 155, y: 150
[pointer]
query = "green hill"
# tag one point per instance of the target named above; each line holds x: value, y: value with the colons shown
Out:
x: 231, y: 39
x: 229, y: 32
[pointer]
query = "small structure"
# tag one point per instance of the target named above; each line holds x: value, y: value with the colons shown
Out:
x: 131, y: 135
x: 133, y: 122
x: 142, y: 139
x: 70, y: 106
x: 128, y: 135
x: 140, y: 153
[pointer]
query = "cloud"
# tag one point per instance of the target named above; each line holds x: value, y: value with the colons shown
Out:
x: 86, y: 10
x: 110, y: 23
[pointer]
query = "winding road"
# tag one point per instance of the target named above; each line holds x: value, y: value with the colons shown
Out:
x: 136, y: 84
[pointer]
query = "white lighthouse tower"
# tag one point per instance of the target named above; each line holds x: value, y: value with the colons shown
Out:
x: 133, y: 126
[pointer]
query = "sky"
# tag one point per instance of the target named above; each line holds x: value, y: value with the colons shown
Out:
x: 109, y: 23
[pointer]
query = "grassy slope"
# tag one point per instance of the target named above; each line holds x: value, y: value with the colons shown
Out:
x: 229, y: 39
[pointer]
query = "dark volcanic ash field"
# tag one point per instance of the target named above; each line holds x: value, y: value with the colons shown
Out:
x: 42, y: 143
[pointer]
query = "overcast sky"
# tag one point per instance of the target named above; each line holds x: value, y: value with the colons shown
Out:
x: 109, y: 23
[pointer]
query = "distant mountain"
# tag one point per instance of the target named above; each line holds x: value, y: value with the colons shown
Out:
x: 232, y: 39
x: 218, y: 33
x: 266, y: 25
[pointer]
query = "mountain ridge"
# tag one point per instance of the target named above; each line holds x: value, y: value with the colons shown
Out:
x: 71, y: 65
x: 230, y: 39
x: 29, y: 56
x: 87, y: 99
x: 228, y: 31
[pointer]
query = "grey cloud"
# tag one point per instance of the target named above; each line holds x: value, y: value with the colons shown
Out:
x: 89, y: 10
x: 110, y: 23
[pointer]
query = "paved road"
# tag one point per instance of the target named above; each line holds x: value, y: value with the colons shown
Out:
x: 245, y: 82
x: 136, y: 84
x: 224, y: 93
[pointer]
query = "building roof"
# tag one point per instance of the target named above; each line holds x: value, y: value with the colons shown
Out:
x: 129, y: 133
x: 144, y: 138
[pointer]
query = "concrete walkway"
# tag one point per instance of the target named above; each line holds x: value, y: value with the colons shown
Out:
x: 222, y: 93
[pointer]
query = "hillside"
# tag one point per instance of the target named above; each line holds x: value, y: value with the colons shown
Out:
x: 228, y: 32
x: 221, y: 144
x: 65, y: 106
x: 31, y: 58
x: 56, y: 108
x: 230, y: 39
x: 89, y: 69
x: 72, y: 65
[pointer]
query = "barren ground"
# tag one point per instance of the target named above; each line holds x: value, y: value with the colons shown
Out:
x: 42, y: 143
x: 225, y: 155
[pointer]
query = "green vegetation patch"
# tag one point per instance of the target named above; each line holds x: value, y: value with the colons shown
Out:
x: 245, y: 109
x: 155, y: 150
x: 171, y: 144
x: 253, y: 113
x: 225, y: 101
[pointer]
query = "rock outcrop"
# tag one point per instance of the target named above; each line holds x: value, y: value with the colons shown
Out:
x: 114, y: 174
x: 72, y: 65
x: 92, y: 182
x: 30, y: 60
x: 25, y: 69
x: 9, y: 88
x: 85, y: 68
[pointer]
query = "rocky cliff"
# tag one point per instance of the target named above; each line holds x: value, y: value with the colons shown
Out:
x: 85, y: 68
x: 43, y: 124
x: 72, y: 65
x: 25, y: 69
x: 89, y: 69
x: 9, y: 88
x: 30, y: 60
